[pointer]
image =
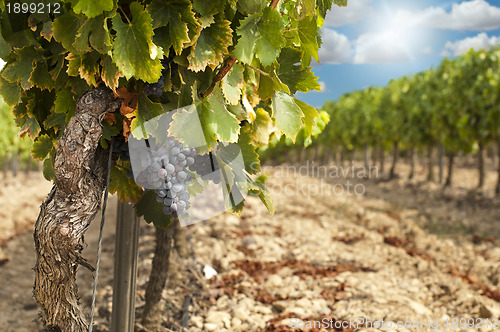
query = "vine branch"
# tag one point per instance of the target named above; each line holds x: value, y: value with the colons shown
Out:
x: 226, y: 67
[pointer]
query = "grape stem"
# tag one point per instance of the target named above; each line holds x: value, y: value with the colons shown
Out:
x: 258, y: 70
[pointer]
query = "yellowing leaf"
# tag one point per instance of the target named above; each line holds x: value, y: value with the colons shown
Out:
x: 310, y: 116
x: 110, y: 73
x: 232, y: 84
x: 262, y: 126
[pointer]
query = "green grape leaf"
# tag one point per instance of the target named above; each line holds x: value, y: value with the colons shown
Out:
x: 21, y: 69
x: 292, y: 74
x: 217, y: 122
x: 48, y: 169
x: 186, y: 128
x: 248, y: 7
x: 266, y: 87
x: 250, y: 157
x: 287, y: 114
x: 262, y: 126
x: 31, y: 127
x: 146, y: 110
x: 94, y: 31
x: 308, y: 32
x: 181, y: 25
x: 65, y: 103
x: 151, y: 210
x: 40, y: 76
x: 92, y: 8
x: 325, y: 5
x: 206, y: 21
x: 20, y: 110
x: 42, y: 147
x: 232, y: 84
x: 309, y: 7
x: 58, y: 73
x: 238, y: 111
x: 108, y: 130
x: 65, y: 28
x: 126, y: 189
x: 258, y: 188
x: 310, y: 116
x: 260, y: 36
x: 55, y: 120
x: 211, y: 45
x: 47, y: 30
x: 205, y: 8
x: 11, y: 92
x: 133, y: 46
x: 4, y: 46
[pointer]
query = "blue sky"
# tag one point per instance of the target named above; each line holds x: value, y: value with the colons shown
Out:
x: 371, y: 41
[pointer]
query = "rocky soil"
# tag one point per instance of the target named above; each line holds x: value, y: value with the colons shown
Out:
x: 407, y: 253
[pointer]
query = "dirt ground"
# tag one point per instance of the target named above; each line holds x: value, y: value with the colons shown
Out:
x: 405, y: 252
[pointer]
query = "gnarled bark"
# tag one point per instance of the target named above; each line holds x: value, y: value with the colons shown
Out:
x: 80, y: 169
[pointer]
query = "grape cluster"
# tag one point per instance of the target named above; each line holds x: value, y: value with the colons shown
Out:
x: 206, y: 166
x: 167, y: 169
x: 154, y: 89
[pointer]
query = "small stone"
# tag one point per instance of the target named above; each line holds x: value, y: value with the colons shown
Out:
x: 324, y: 311
x: 217, y: 317
x: 235, y: 323
x: 260, y: 309
x: 211, y: 327
x: 280, y: 306
x: 274, y: 281
x: 249, y: 241
x: 240, y: 313
x: 298, y: 311
x: 485, y: 312
x: 197, y: 321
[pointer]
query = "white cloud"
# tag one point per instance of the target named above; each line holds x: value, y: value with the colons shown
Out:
x: 380, y: 48
x: 355, y: 11
x: 2, y: 63
x: 336, y: 47
x: 427, y: 50
x: 477, y: 42
x: 322, y: 86
x: 475, y: 15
